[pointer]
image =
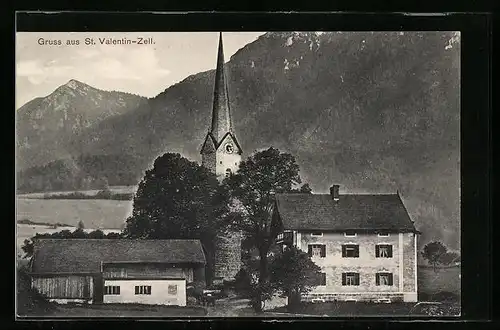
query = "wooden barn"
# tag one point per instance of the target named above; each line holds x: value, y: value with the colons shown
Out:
x: 116, y: 270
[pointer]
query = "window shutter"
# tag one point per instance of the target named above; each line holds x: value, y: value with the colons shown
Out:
x: 377, y: 251
x: 343, y: 278
x: 357, y: 278
x: 377, y: 279
x: 390, y: 279
x: 310, y: 250
x: 356, y: 251
x: 323, y: 251
x: 343, y: 251
x: 389, y: 251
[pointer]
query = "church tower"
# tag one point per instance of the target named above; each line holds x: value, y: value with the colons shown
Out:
x: 221, y: 154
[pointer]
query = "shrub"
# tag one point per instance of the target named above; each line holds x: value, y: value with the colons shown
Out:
x: 29, y: 300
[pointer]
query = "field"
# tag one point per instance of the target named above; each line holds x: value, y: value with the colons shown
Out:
x: 446, y: 279
x: 113, y: 189
x: 94, y: 213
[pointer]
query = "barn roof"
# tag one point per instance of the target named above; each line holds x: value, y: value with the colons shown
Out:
x: 86, y: 255
x: 350, y: 212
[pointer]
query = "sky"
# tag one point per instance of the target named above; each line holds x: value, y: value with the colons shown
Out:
x: 146, y: 70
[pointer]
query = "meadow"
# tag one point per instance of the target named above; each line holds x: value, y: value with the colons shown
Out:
x: 94, y: 213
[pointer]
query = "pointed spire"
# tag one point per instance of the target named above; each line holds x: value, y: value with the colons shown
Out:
x: 221, y: 117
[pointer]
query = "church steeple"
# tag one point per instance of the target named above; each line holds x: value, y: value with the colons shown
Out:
x: 221, y: 152
x: 221, y: 113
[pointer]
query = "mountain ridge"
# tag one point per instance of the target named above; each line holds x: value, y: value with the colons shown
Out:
x: 370, y: 111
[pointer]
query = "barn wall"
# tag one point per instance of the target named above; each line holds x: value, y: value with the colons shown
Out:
x: 64, y: 287
x: 160, y: 293
x: 148, y: 271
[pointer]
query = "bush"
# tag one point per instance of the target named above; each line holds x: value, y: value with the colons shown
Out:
x: 242, y: 283
x: 30, y: 301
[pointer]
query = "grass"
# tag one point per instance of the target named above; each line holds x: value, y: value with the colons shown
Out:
x: 363, y: 309
x: 444, y: 279
x: 126, y: 310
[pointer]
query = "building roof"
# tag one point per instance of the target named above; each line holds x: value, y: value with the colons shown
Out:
x: 350, y: 212
x: 86, y: 255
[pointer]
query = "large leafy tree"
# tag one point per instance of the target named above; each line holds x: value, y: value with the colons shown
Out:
x: 433, y: 252
x: 253, y: 188
x: 179, y: 199
x: 293, y: 273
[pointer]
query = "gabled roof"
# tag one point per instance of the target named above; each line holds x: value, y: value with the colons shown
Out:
x: 350, y: 212
x: 209, y: 145
x: 86, y: 255
x: 233, y: 138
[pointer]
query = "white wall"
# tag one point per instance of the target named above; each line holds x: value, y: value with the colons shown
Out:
x: 159, y: 292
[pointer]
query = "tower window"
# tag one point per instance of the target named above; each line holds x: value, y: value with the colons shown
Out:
x: 221, y: 161
x: 228, y: 172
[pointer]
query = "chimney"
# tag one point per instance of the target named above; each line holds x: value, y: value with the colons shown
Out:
x: 334, y: 192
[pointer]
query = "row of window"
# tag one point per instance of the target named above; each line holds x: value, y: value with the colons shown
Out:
x: 352, y: 279
x: 349, y: 250
x: 320, y: 234
x: 348, y: 234
x: 139, y: 289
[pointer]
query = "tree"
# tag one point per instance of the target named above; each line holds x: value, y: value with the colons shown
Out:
x: 253, y: 187
x: 28, y: 245
x: 81, y: 225
x: 448, y: 257
x: 180, y: 199
x: 27, y: 248
x: 293, y: 273
x: 304, y: 189
x: 433, y: 253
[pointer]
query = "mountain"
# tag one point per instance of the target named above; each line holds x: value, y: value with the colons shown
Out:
x: 45, y: 124
x: 374, y: 112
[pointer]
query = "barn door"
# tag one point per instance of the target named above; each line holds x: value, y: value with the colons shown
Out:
x: 98, y: 289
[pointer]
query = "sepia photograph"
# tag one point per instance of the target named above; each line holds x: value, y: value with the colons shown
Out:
x: 238, y: 174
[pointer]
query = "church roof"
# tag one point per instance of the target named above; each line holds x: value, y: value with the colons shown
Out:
x: 86, y: 255
x: 351, y: 212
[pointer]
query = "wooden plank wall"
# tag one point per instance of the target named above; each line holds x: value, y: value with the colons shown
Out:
x: 77, y: 287
x: 143, y: 271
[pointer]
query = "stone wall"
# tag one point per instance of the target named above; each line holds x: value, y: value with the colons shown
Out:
x: 228, y: 255
x: 367, y: 297
x: 208, y: 161
x: 401, y: 265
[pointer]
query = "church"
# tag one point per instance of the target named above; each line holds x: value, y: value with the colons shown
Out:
x: 221, y: 154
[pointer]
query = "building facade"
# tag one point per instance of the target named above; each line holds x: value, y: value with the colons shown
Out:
x: 365, y: 245
x: 116, y: 270
x: 221, y: 154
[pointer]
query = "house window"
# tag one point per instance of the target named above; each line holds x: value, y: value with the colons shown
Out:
x: 383, y: 234
x: 383, y: 279
x: 172, y: 289
x: 383, y: 251
x: 350, y: 251
x: 143, y: 289
x: 317, y: 234
x: 112, y: 290
x: 321, y: 281
x: 350, y: 233
x: 350, y: 279
x: 317, y: 250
